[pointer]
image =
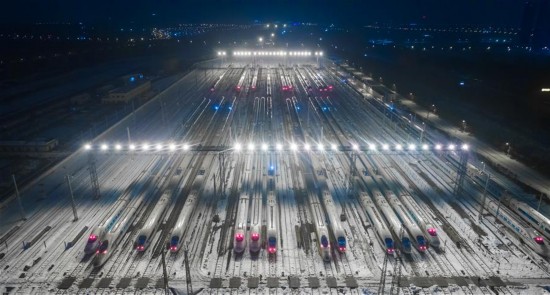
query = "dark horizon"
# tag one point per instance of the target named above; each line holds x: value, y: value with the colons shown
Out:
x: 165, y: 12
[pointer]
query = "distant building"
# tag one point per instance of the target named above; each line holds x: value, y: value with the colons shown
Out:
x: 535, y: 24
x: 128, y: 92
x: 28, y: 146
x: 80, y: 99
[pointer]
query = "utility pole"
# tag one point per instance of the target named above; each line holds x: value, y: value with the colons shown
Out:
x: 164, y: 272
x: 21, y: 211
x: 93, y: 175
x: 484, y: 197
x: 72, y: 198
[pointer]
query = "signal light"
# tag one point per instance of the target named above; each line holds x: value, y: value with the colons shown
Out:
x: 173, y: 248
x: 239, y: 237
x: 390, y: 250
x: 539, y: 240
x: 92, y: 238
x: 255, y: 237
x: 432, y: 232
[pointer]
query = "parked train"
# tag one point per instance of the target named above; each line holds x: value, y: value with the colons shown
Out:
x: 114, y: 236
x: 98, y: 232
x: 176, y: 237
x: 530, y: 236
x: 320, y: 227
x: 271, y: 223
x: 339, y: 234
x: 256, y: 223
x: 433, y: 238
x: 239, y: 242
x: 529, y: 214
x: 379, y: 224
x: 145, y: 234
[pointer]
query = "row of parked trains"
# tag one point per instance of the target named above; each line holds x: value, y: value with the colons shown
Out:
x: 394, y: 216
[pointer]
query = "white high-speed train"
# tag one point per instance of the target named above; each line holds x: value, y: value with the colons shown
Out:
x: 176, y: 237
x: 144, y: 235
x: 239, y: 241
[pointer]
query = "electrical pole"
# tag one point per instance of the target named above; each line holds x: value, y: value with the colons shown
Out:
x: 72, y: 198
x: 484, y: 197
x: 21, y: 211
x: 164, y: 272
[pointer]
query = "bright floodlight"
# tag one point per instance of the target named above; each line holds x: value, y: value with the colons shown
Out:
x: 159, y: 147
x: 104, y: 147
x: 355, y: 147
x: 307, y: 147
x: 385, y: 147
x: 412, y: 147
x: 425, y: 147
x: 320, y: 147
x: 251, y: 146
x: 264, y: 147
x: 118, y: 147
x: 438, y: 147
x: 293, y: 147
x: 145, y: 146
x: 172, y: 147
x: 238, y: 147
x: 132, y: 147
x: 451, y: 147
x: 321, y: 53
x: 372, y: 147
x: 88, y: 146
x: 398, y: 147
x: 465, y: 147
x: 279, y: 147
x: 333, y: 147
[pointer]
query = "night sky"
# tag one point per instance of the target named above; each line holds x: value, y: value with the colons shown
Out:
x: 355, y: 12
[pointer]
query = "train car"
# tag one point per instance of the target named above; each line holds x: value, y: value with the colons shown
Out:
x: 271, y: 223
x: 99, y: 231
x: 407, y: 220
x: 256, y: 223
x: 339, y: 234
x: 114, y: 236
x: 529, y: 214
x: 176, y: 237
x: 523, y: 230
x: 320, y: 227
x: 379, y: 224
x: 433, y: 238
x: 145, y: 234
x: 239, y: 241
x: 240, y: 84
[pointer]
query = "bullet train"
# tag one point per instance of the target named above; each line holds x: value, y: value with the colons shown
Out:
x: 320, y: 227
x: 114, y: 236
x: 529, y: 214
x: 407, y: 220
x: 98, y: 232
x: 145, y: 234
x: 239, y: 242
x: 379, y: 224
x: 256, y: 223
x: 522, y: 229
x: 433, y: 238
x: 334, y: 222
x: 271, y: 223
x: 176, y: 237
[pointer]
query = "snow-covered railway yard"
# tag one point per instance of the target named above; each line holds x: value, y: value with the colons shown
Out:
x: 279, y: 177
